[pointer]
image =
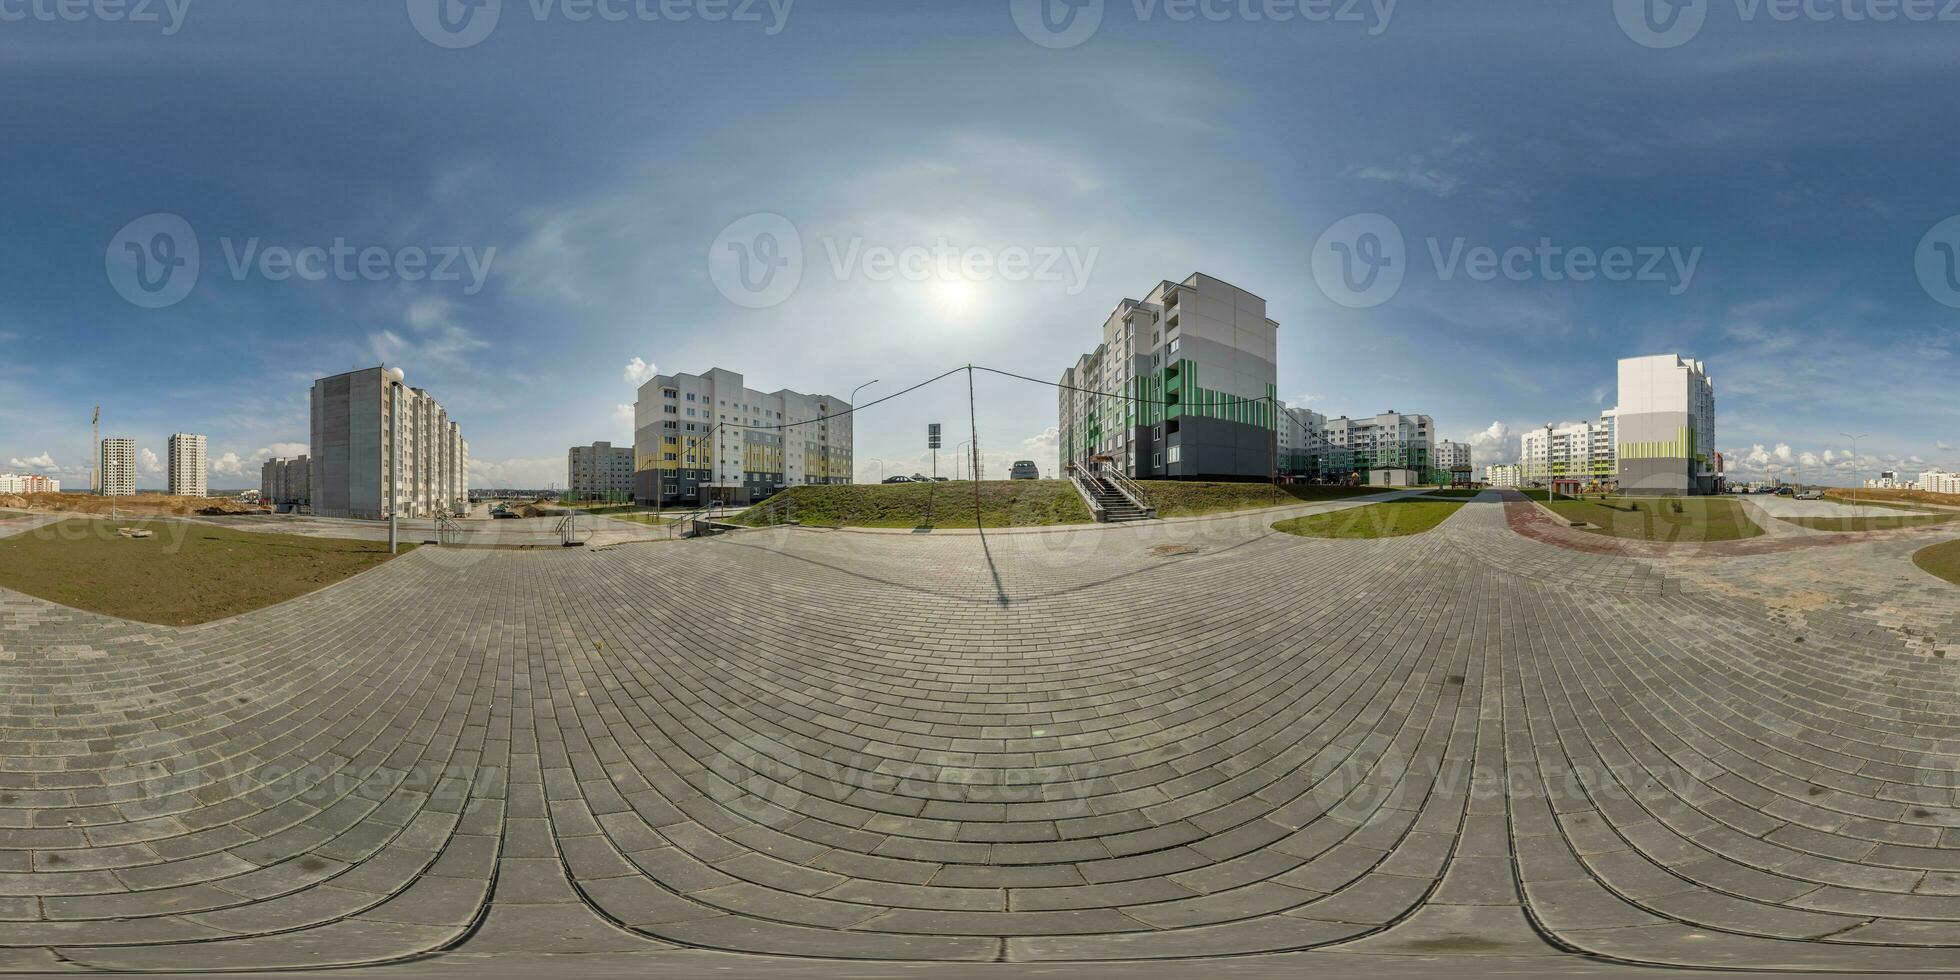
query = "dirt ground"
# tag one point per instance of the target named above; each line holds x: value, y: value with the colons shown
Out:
x: 142, y: 504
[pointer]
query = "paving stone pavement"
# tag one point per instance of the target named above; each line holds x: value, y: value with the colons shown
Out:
x: 1155, y: 742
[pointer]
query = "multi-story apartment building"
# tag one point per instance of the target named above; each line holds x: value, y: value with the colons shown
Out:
x: 189, y: 470
x: 1939, y: 481
x: 1454, y: 458
x: 285, y: 482
x: 599, y: 471
x: 1504, y: 475
x: 1664, y: 433
x: 1305, y: 452
x: 118, y: 467
x: 351, y: 467
x: 1390, y: 449
x: 1571, y: 451
x: 28, y: 483
x: 1181, y: 386
x: 709, y: 437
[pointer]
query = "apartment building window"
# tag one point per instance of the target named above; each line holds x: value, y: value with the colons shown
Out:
x: 690, y: 396
x: 1157, y: 459
x: 670, y: 424
x: 1174, y: 453
x: 669, y: 393
x: 669, y: 409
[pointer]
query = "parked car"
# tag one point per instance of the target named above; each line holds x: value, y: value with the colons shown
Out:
x: 898, y: 479
x: 1811, y: 495
x: 1024, y: 469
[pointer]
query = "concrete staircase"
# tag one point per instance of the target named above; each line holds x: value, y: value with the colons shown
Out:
x: 1117, y: 508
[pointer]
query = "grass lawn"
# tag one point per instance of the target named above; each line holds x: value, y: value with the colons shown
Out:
x: 186, y: 574
x: 1870, y: 523
x: 1390, y: 519
x: 1178, y: 498
x: 1660, y: 518
x: 1010, y: 503
x: 646, y: 518
x: 1002, y: 503
x: 1942, y: 560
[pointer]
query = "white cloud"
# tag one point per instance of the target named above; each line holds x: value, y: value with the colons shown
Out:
x: 151, y: 464
x: 1304, y: 401
x: 280, y: 449
x: 639, y: 372
x: 228, y: 465
x: 517, y: 474
x: 43, y: 462
x: 623, y: 414
x: 1495, y: 443
x: 1782, y: 452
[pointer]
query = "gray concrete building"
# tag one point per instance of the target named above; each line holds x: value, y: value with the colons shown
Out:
x: 285, y: 482
x: 599, y: 471
x: 1182, y: 386
x: 355, y: 418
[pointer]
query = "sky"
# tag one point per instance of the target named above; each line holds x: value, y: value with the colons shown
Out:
x: 531, y: 205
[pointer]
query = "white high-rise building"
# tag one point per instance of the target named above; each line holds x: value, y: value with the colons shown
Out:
x: 355, y: 420
x: 1504, y: 475
x: 1939, y: 481
x: 709, y: 436
x: 189, y: 468
x: 1664, y: 434
x: 599, y: 470
x: 1581, y: 451
x: 1390, y: 449
x: 118, y: 467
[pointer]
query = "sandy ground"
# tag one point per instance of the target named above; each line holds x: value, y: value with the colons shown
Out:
x: 1790, y: 507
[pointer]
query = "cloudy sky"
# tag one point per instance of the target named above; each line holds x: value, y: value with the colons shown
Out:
x: 531, y: 213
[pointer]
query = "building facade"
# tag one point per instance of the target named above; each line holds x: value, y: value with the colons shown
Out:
x: 1664, y: 433
x: 1504, y: 475
x: 117, y: 465
x: 28, y: 483
x: 1455, y: 459
x: 599, y: 471
x: 709, y: 437
x: 1939, y: 481
x: 351, y: 468
x: 1182, y: 386
x: 1390, y: 449
x: 285, y: 482
x: 189, y: 468
x: 1571, y: 451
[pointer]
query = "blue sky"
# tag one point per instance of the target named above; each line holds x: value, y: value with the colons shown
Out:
x: 1803, y: 164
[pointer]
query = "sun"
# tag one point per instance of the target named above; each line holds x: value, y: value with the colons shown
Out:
x: 954, y: 296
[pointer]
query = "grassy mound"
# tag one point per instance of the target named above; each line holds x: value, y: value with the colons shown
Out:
x: 1389, y: 519
x: 1001, y: 503
x: 1942, y: 560
x: 182, y: 575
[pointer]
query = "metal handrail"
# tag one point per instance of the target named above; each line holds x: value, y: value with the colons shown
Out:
x: 1077, y: 480
x: 1128, y: 488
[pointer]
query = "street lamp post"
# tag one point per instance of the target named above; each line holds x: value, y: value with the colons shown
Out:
x: 1854, y: 460
x: 394, y: 376
x: 854, y: 406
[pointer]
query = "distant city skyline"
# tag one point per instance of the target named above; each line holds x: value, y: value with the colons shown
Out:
x: 653, y: 218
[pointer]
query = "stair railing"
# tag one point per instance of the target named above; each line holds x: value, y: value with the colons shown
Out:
x: 1080, y: 480
x: 1129, y: 489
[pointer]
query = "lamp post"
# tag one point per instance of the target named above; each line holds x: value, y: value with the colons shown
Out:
x: 854, y: 406
x: 394, y: 376
x: 1854, y: 460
